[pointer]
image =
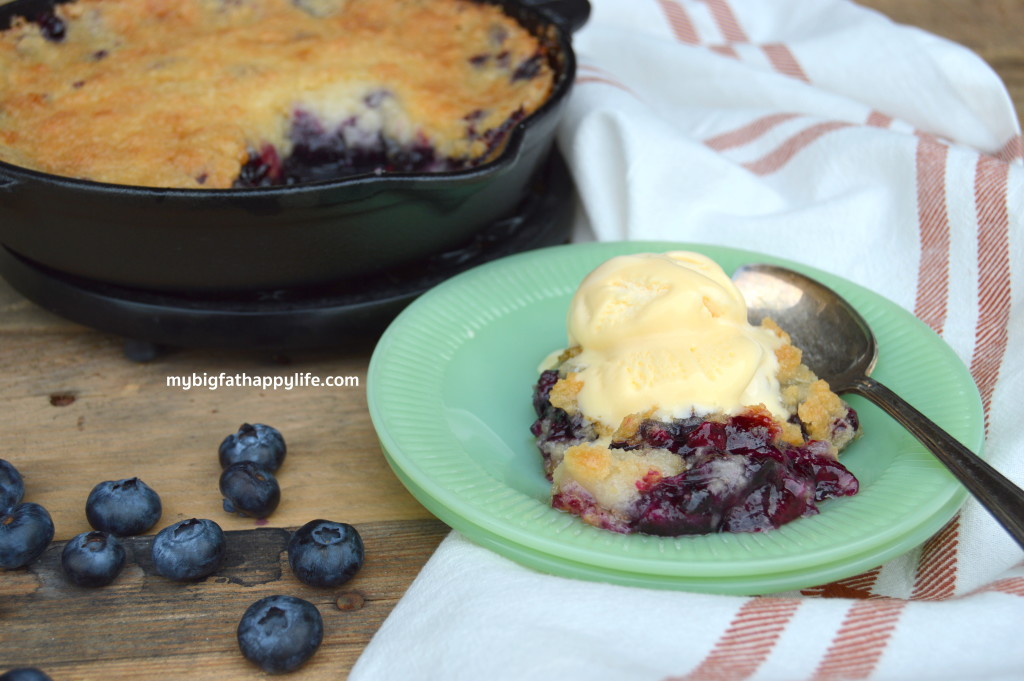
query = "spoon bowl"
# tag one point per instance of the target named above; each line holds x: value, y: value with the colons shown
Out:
x: 839, y: 346
x: 836, y: 341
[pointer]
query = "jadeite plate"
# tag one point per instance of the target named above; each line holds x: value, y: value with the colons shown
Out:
x: 449, y: 389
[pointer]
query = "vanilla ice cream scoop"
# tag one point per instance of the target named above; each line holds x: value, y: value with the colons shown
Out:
x: 668, y: 332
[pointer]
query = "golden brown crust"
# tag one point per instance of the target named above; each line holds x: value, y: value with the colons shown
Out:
x: 588, y: 462
x: 811, y: 398
x: 629, y: 426
x: 564, y: 393
x: 610, y: 475
x: 175, y: 93
x: 791, y: 367
x: 792, y: 434
x: 569, y: 353
x: 820, y: 409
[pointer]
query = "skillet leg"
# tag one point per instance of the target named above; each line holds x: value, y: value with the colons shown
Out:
x: 142, y: 351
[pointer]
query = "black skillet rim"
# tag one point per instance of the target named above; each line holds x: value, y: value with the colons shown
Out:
x: 344, y: 316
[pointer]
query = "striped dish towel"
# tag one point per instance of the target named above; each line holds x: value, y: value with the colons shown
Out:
x: 823, y: 133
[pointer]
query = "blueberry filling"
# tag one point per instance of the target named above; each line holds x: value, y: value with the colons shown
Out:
x: 554, y: 429
x: 542, y: 392
x: 671, y: 436
x: 742, y: 489
x: 355, y: 147
x: 320, y: 152
x: 262, y: 169
x: 738, y: 476
x: 528, y: 68
x: 52, y: 27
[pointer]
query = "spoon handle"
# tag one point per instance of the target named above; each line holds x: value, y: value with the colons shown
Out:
x: 1003, y: 499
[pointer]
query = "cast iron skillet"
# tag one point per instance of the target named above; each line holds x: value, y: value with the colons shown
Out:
x: 279, y: 237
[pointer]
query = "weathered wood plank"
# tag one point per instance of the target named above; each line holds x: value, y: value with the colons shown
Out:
x: 75, y: 413
x: 146, y: 627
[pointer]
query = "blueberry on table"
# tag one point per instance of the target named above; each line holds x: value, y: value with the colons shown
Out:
x: 123, y: 507
x: 93, y: 558
x: 25, y: 531
x: 258, y: 443
x: 325, y: 553
x: 24, y: 674
x: 249, y: 490
x: 189, y: 550
x: 279, y: 633
x: 12, y: 487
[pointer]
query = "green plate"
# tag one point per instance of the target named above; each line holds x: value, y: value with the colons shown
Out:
x: 449, y: 390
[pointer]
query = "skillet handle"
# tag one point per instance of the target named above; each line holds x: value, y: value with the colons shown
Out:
x: 569, y: 14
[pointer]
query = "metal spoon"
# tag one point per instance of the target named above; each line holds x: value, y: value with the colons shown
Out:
x: 839, y: 347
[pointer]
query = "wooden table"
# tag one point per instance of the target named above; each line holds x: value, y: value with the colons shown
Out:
x: 75, y: 412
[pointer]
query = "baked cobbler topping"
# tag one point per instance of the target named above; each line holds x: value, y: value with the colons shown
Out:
x: 686, y: 462
x: 221, y: 93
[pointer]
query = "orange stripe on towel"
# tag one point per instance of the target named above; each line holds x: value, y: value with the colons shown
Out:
x: 749, y: 132
x: 932, y: 301
x: 781, y: 155
x: 745, y: 645
x: 992, y: 335
x: 860, y: 641
x: 679, y: 21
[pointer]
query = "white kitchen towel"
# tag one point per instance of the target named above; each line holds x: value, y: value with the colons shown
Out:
x: 824, y: 133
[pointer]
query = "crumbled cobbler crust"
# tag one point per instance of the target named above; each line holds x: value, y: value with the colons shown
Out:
x: 817, y: 407
x: 183, y: 93
x: 751, y: 469
x: 609, y: 476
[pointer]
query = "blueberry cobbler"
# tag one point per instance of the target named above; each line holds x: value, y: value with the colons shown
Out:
x: 669, y: 414
x: 246, y: 93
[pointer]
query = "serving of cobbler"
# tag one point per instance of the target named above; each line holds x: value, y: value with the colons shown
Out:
x: 208, y: 94
x: 668, y: 414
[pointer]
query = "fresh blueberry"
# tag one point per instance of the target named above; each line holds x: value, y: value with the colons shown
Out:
x: 123, y: 507
x: 249, y: 490
x: 189, y: 550
x: 325, y: 553
x: 258, y: 443
x: 24, y: 674
x: 93, y: 558
x: 12, y: 487
x: 279, y: 633
x: 25, y: 531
